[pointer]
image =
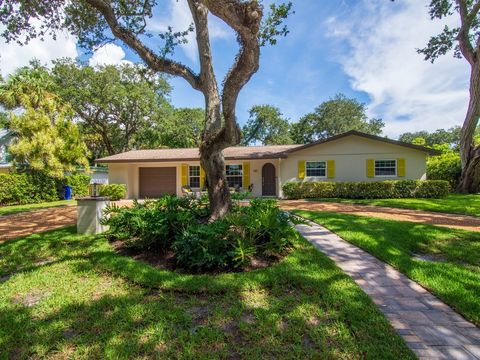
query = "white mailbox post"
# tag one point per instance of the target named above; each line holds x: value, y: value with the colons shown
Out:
x: 89, y: 214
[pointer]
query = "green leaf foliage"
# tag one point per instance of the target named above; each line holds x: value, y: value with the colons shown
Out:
x: 367, y: 190
x: 335, y: 116
x: 176, y: 224
x: 28, y: 188
x: 267, y: 126
x: 114, y: 192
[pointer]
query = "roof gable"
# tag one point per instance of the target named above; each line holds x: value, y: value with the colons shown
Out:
x: 366, y: 136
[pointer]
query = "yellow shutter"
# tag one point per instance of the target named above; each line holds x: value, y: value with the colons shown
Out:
x: 370, y: 168
x: 202, y: 178
x: 301, y: 169
x: 401, y: 167
x: 246, y: 175
x: 184, y: 174
x: 330, y: 169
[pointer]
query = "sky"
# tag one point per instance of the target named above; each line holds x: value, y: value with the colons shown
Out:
x: 365, y: 49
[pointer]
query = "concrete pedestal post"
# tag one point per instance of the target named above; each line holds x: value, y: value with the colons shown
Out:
x: 89, y: 214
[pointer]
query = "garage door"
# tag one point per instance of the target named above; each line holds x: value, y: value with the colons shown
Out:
x: 155, y: 182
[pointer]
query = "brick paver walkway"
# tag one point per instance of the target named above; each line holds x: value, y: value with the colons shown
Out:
x: 426, y: 217
x: 428, y: 326
x: 32, y: 222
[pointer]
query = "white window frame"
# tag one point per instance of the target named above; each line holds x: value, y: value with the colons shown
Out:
x: 238, y: 176
x: 384, y: 176
x: 316, y: 176
x: 195, y: 176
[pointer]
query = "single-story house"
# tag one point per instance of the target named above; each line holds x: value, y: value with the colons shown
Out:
x: 351, y: 156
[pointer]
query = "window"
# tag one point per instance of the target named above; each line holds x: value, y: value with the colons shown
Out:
x: 316, y: 168
x: 194, y: 176
x: 385, y: 167
x: 234, y: 175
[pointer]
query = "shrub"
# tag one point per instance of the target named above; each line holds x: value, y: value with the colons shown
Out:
x: 151, y: 224
x: 114, y: 192
x: 27, y: 188
x: 446, y: 166
x: 432, y: 189
x: 367, y: 190
x: 79, y: 183
x: 178, y: 224
x: 205, y: 247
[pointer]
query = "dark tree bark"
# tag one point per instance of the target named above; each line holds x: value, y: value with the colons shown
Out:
x: 469, y: 153
x: 221, y: 129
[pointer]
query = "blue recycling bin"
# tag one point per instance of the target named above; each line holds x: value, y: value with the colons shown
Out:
x: 67, y: 194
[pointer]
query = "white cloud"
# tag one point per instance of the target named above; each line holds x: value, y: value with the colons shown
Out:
x: 180, y: 19
x: 407, y: 92
x: 109, y: 54
x: 13, y: 56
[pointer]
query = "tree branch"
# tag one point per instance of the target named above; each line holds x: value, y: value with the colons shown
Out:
x: 245, y: 19
x: 207, y: 75
x: 148, y: 56
x: 463, y: 35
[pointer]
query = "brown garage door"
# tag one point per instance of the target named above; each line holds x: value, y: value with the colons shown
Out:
x: 155, y: 182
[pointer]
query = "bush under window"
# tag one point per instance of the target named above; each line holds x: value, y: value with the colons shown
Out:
x: 367, y: 190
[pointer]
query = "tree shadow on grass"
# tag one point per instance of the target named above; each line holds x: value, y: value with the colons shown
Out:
x: 301, y: 307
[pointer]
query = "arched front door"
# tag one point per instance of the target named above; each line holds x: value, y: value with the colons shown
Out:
x: 269, y: 183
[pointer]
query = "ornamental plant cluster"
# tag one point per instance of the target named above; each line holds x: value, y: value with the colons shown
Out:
x: 178, y: 224
x: 390, y: 189
x: 35, y: 187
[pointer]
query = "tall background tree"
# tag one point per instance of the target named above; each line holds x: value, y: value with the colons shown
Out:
x: 45, y: 135
x: 95, y: 22
x: 113, y: 104
x: 335, y: 116
x: 437, y: 137
x: 465, y: 40
x: 267, y: 126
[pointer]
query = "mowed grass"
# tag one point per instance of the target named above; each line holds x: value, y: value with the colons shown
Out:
x: 452, y: 271
x: 14, y: 209
x: 452, y: 203
x: 66, y: 295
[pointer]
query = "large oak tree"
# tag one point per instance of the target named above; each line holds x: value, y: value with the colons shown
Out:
x: 465, y: 40
x: 96, y: 22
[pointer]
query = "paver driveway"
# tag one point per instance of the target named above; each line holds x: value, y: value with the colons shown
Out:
x: 426, y: 217
x: 32, y: 222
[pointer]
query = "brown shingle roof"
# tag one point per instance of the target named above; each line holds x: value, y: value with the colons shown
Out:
x: 231, y: 153
x: 242, y: 152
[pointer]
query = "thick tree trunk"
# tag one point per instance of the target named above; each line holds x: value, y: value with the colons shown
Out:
x: 470, y: 156
x: 218, y: 192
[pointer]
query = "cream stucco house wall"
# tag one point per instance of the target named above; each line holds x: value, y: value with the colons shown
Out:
x: 352, y: 156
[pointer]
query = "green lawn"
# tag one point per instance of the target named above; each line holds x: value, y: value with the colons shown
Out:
x: 14, y: 209
x: 453, y: 203
x: 454, y: 273
x: 72, y: 296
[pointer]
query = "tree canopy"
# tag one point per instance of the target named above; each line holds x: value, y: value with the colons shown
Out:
x: 113, y: 103
x: 45, y: 135
x: 437, y: 137
x: 335, y: 116
x: 266, y: 125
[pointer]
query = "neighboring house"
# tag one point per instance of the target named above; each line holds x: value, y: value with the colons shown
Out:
x: 5, y: 139
x: 352, y: 156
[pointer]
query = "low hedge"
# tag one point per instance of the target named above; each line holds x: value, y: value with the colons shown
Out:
x: 114, y: 192
x: 35, y: 187
x: 367, y: 190
x: 79, y: 184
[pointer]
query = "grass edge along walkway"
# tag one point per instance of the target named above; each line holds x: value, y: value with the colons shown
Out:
x: 444, y: 261
x: 430, y: 328
x: 72, y: 295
